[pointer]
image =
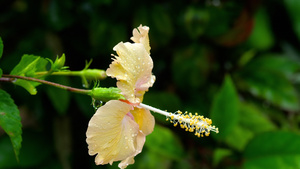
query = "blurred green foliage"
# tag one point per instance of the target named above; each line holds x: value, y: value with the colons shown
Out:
x: 235, y: 61
x: 27, y: 66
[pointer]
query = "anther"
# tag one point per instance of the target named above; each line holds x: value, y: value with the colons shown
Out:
x: 192, y: 123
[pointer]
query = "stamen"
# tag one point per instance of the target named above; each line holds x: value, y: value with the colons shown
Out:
x: 192, y: 123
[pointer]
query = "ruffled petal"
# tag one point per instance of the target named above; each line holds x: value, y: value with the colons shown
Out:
x: 140, y: 144
x: 113, y: 134
x: 133, y: 70
x: 140, y: 35
x: 144, y: 119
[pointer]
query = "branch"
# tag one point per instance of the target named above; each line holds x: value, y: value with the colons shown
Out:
x: 11, y: 78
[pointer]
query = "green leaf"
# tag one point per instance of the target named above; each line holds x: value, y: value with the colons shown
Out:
x: 163, y: 141
x: 59, y: 98
x: 239, y: 137
x: 253, y: 118
x: 274, y: 150
x: 270, y: 77
x: 225, y: 109
x: 276, y: 63
x: 29, y: 86
x: 219, y: 154
x: 252, y: 121
x: 1, y: 47
x: 271, y: 86
x: 28, y: 65
x: 1, y: 72
x: 10, y: 120
x: 261, y: 37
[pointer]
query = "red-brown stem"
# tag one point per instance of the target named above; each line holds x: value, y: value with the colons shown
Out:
x: 11, y: 78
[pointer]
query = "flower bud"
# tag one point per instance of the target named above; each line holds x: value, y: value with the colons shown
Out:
x: 106, y: 94
x: 93, y: 74
x: 59, y: 63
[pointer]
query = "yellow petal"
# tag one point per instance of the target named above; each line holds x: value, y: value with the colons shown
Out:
x: 126, y: 162
x: 144, y: 119
x: 130, y: 160
x: 113, y: 135
x: 140, y: 35
x: 133, y: 70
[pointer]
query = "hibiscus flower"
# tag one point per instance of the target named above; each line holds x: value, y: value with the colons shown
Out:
x: 118, y: 129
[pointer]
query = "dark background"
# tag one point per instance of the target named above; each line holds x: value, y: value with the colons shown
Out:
x: 234, y: 61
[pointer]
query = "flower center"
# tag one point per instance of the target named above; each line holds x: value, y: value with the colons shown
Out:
x: 192, y: 123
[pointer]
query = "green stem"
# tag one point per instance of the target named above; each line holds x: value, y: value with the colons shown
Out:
x: 91, y: 74
x: 44, y: 74
x: 65, y: 73
x: 71, y: 89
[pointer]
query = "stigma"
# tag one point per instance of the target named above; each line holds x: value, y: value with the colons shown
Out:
x: 198, y: 124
